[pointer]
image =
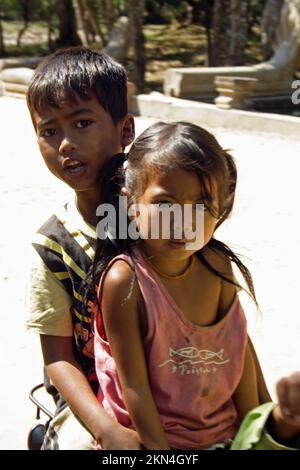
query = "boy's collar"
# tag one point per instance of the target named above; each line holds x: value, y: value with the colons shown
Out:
x: 79, y: 221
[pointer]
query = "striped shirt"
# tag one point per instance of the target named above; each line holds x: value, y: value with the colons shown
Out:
x: 65, y: 245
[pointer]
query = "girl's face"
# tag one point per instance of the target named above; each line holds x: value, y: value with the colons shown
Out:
x: 183, y: 189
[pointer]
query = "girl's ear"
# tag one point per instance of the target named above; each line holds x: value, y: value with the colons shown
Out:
x: 128, y: 131
x: 125, y: 192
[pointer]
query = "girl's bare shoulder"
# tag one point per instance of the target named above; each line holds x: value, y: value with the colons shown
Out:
x: 119, y: 281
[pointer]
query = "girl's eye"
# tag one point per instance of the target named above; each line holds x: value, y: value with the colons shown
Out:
x: 165, y: 204
x: 47, y: 132
x: 200, y: 206
x: 83, y: 123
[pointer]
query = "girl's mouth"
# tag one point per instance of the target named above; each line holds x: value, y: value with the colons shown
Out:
x: 177, y: 244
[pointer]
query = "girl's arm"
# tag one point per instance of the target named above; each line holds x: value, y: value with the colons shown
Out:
x: 263, y: 392
x: 122, y: 327
x: 246, y: 396
x: 252, y: 390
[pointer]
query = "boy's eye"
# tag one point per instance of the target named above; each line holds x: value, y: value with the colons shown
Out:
x: 83, y: 123
x: 47, y: 132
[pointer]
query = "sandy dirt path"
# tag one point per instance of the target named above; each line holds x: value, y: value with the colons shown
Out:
x: 264, y: 227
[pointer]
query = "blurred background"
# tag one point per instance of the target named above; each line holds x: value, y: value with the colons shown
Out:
x: 164, y: 34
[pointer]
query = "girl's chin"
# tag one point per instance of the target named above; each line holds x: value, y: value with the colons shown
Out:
x: 185, y: 246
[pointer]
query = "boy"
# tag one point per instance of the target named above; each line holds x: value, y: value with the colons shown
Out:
x: 78, y: 104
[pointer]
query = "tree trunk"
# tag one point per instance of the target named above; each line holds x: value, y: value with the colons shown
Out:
x: 220, y: 36
x: 244, y: 29
x: 93, y: 16
x: 238, y: 31
x: 109, y: 14
x: 68, y: 35
x: 207, y: 20
x: 50, y: 29
x: 138, y: 42
x: 81, y: 23
x: 25, y: 5
x: 2, y: 47
x: 208, y: 59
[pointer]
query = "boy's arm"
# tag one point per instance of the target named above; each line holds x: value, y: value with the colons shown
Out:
x: 68, y: 378
x: 47, y: 306
x: 122, y: 326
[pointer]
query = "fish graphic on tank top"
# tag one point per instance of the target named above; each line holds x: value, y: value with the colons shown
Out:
x: 190, y: 360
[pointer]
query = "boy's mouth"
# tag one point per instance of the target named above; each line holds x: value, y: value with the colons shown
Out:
x: 74, y: 167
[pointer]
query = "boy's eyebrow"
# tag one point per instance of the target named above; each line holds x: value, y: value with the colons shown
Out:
x: 76, y: 112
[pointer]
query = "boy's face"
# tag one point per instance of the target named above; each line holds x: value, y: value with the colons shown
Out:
x: 76, y: 140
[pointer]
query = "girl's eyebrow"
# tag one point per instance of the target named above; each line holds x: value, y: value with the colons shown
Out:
x: 164, y: 193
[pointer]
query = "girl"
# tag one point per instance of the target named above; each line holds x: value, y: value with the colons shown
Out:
x: 173, y: 358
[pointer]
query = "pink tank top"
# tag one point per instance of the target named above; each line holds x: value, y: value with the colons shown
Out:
x: 193, y: 370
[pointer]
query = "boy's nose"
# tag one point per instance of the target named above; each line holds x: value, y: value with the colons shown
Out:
x: 66, y: 146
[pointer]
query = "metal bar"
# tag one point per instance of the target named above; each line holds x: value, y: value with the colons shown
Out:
x: 37, y: 403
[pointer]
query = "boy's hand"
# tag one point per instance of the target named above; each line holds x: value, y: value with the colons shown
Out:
x: 120, y: 438
x: 288, y: 392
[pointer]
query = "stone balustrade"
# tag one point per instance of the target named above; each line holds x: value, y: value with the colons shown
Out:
x: 234, y: 92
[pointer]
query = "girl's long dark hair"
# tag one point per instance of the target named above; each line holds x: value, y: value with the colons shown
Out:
x: 111, y: 182
x: 166, y: 147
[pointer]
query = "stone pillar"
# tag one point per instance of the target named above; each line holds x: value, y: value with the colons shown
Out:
x: 234, y: 92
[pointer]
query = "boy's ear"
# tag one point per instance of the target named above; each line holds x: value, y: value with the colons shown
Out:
x: 128, y: 131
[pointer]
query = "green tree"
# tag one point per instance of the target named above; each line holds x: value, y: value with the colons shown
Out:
x: 138, y: 42
x: 109, y: 14
x: 68, y: 35
x: 202, y: 13
x: 219, y: 48
x: 239, y: 18
x: 25, y: 6
x: 2, y: 46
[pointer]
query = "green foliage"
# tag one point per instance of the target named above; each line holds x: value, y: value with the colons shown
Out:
x: 12, y: 10
x: 256, y: 11
x: 164, y: 11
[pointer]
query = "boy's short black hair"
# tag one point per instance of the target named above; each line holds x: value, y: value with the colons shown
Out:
x: 79, y: 71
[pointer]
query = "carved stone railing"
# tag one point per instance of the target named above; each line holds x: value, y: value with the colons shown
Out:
x: 274, y: 76
x: 234, y: 92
